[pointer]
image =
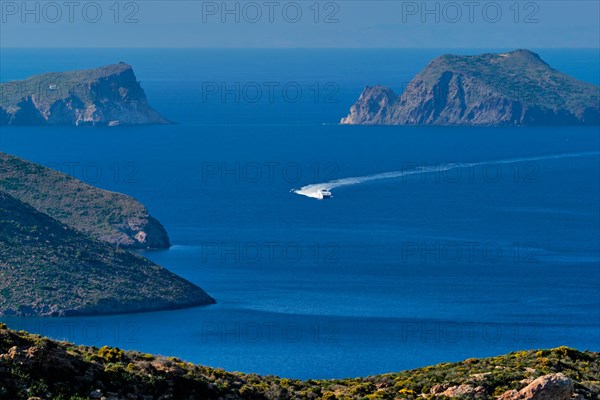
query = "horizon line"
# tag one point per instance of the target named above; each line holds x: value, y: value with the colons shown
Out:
x: 293, y: 48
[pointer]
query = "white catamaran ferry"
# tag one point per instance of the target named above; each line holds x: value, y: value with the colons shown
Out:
x: 324, y: 194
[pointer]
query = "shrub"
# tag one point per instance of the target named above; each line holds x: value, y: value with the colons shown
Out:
x: 111, y: 354
x: 328, y: 396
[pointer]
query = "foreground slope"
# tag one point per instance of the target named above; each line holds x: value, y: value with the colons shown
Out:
x: 49, y: 269
x: 111, y: 217
x: 34, y: 366
x: 515, y: 88
x: 109, y: 95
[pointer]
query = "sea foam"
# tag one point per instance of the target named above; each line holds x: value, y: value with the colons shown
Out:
x: 314, y: 190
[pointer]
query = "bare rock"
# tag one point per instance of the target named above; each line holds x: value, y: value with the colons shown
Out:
x: 464, y: 391
x: 548, y: 387
x: 438, y: 389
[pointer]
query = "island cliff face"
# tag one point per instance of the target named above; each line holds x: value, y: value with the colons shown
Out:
x: 49, y: 269
x: 109, y: 95
x: 509, y: 89
x: 107, y: 216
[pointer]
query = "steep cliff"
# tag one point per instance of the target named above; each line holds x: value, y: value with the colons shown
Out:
x: 109, y: 95
x: 516, y: 88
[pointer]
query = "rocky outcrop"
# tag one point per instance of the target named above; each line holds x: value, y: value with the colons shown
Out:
x: 554, y: 386
x: 374, y: 107
x: 109, y: 95
x: 463, y: 391
x: 49, y: 269
x: 510, y: 89
x: 107, y: 216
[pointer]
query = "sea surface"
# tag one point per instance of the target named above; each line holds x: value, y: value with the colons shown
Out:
x: 445, y: 243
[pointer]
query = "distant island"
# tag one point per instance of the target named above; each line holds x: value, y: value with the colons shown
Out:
x: 105, y: 96
x: 103, y: 215
x: 32, y: 367
x: 508, y: 89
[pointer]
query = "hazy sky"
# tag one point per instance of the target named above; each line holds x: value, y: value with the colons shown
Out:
x: 345, y: 23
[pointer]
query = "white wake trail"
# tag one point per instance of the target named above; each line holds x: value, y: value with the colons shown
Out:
x: 314, y: 190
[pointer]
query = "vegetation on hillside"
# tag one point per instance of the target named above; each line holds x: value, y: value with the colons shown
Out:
x: 34, y: 366
x: 47, y: 268
x: 105, y: 96
x: 107, y: 216
x: 55, y: 86
x: 520, y: 75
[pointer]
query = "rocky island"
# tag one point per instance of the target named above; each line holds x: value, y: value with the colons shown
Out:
x: 103, y: 215
x: 33, y: 367
x: 49, y: 269
x: 508, y: 89
x: 108, y: 96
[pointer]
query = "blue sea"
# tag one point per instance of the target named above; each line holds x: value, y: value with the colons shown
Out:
x: 447, y: 243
